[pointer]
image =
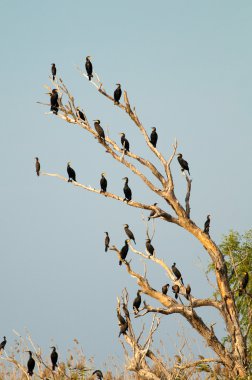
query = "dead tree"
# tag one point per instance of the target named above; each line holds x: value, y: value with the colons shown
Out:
x: 235, y: 359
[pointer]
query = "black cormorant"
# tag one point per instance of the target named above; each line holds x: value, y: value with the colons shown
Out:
x: 117, y: 94
x: 188, y: 291
x: 154, y: 137
x: 71, y: 173
x: 150, y: 249
x: 137, y: 302
x: 177, y: 273
x: 30, y: 364
x: 123, y: 329
x: 107, y: 241
x: 124, y: 252
x: 37, y: 166
x: 3, y: 343
x: 99, y: 129
x: 54, y: 358
x: 54, y: 70
x: 175, y: 289
x: 103, y: 183
x: 125, y: 142
x: 152, y: 213
x: 54, y: 101
x: 129, y: 233
x: 183, y: 163
x: 165, y: 289
x: 81, y: 114
x: 127, y: 190
x: 89, y: 67
x: 207, y: 225
x: 98, y: 373
x: 243, y: 283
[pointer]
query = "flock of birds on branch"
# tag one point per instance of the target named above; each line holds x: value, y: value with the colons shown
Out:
x: 54, y: 99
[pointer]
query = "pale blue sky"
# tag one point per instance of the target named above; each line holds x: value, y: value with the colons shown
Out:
x: 187, y: 69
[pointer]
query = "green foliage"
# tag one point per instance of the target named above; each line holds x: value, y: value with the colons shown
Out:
x: 237, y: 250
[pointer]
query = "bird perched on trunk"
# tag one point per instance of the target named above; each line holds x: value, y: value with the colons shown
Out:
x: 188, y: 291
x: 71, y: 173
x: 149, y: 248
x: 103, y: 183
x: 175, y: 289
x: 107, y: 241
x: 117, y: 94
x: 177, y: 273
x: 137, y: 302
x: 183, y: 163
x: 30, y: 364
x: 54, y: 70
x: 3, y: 343
x: 243, y: 283
x: 81, y: 114
x: 127, y: 190
x: 37, y: 166
x: 165, y: 289
x: 124, y: 251
x: 54, y: 358
x: 129, y: 233
x: 54, y: 101
x: 152, y: 213
x: 98, y: 373
x: 123, y: 329
x: 153, y: 137
x: 125, y: 142
x: 89, y: 67
x: 99, y: 129
x: 207, y: 225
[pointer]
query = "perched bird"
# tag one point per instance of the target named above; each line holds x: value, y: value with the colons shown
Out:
x: 150, y: 249
x: 120, y: 318
x: 243, y: 283
x: 129, y: 233
x: 3, y: 343
x: 125, y: 142
x: 123, y: 329
x: 177, y: 273
x: 127, y: 190
x: 103, y: 183
x: 107, y: 241
x: 152, y: 213
x: 165, y: 289
x: 137, y: 302
x: 117, y: 94
x: 188, y: 291
x: 30, y: 364
x: 207, y: 225
x: 71, y: 173
x: 99, y: 129
x: 183, y: 163
x: 81, y: 114
x: 175, y: 289
x: 124, y: 251
x: 37, y: 166
x: 98, y: 373
x: 54, y: 358
x: 89, y: 67
x: 54, y: 101
x: 153, y: 137
x: 54, y: 70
